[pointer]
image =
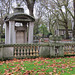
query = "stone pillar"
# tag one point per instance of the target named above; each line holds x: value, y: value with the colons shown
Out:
x: 25, y: 36
x: 12, y: 32
x: 25, y: 32
x: 30, y: 33
x: 6, y: 33
x: 44, y: 51
x: 61, y: 51
x: 52, y: 51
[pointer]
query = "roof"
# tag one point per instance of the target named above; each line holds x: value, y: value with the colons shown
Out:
x: 19, y: 17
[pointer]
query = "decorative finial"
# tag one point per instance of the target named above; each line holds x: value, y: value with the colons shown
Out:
x: 18, y: 3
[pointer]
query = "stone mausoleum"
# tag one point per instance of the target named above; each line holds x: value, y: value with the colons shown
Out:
x: 19, y: 27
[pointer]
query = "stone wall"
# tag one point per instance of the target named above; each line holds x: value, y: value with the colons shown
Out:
x: 52, y: 50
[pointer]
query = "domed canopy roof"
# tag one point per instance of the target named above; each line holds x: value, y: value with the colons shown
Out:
x: 19, y: 16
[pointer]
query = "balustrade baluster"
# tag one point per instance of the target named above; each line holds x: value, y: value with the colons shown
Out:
x: 15, y: 51
x: 37, y: 52
x: 21, y: 50
x: 24, y: 50
x: 34, y: 51
x: 27, y: 50
x: 30, y: 50
x: 18, y: 48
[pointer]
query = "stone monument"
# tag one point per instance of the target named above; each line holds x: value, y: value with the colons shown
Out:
x: 16, y: 25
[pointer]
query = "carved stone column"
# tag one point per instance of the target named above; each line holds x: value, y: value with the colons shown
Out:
x: 30, y: 33
x: 6, y: 33
x: 12, y: 33
x: 25, y: 36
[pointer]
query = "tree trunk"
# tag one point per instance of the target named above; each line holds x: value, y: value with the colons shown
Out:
x: 1, y: 32
x: 1, y: 26
x: 31, y: 10
x: 43, y: 33
x: 74, y: 19
x: 49, y: 27
x: 67, y: 35
x: 30, y: 5
x: 74, y: 30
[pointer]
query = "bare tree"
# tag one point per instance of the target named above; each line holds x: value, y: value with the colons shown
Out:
x: 72, y: 13
x: 1, y: 23
x: 56, y: 7
x: 74, y: 19
x: 5, y: 8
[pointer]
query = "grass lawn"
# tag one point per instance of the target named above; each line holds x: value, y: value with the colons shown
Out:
x: 38, y: 66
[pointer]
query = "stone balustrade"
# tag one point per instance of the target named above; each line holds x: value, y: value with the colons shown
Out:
x: 69, y: 49
x: 9, y: 51
x: 28, y: 50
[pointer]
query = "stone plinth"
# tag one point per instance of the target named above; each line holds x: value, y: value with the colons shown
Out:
x: 44, y: 51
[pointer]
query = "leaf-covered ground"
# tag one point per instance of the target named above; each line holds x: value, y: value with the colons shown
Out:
x: 38, y: 66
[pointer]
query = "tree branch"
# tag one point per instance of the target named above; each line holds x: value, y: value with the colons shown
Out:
x: 70, y: 13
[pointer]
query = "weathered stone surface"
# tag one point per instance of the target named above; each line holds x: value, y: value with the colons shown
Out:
x: 30, y: 34
x: 61, y: 51
x: 11, y: 30
x: 20, y: 37
x: 8, y: 52
x: 52, y: 51
x: 44, y: 51
x: 19, y: 17
x: 20, y: 28
x: 1, y: 53
x: 6, y: 33
x: 56, y: 51
x: 18, y: 10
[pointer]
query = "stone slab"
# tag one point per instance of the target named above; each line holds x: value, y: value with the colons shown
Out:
x: 8, y: 52
x: 44, y: 51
